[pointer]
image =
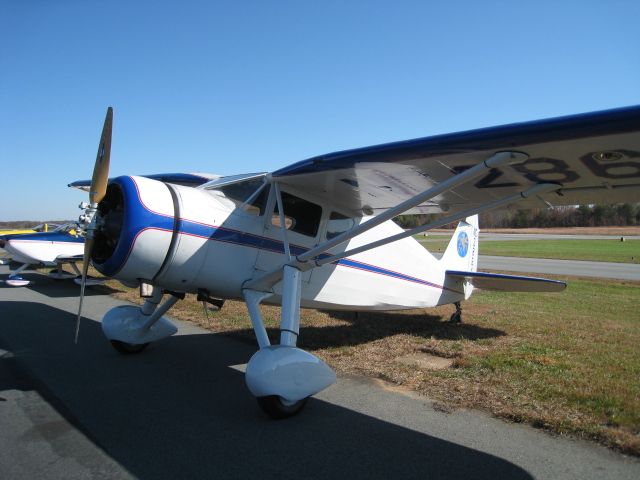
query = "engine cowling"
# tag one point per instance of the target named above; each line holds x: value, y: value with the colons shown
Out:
x: 140, y: 232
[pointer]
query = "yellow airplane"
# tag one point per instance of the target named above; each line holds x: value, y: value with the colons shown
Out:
x: 43, y: 227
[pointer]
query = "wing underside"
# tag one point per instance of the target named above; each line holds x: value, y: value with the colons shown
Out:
x: 595, y: 157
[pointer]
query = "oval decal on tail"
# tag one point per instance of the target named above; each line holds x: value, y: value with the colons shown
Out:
x: 463, y: 244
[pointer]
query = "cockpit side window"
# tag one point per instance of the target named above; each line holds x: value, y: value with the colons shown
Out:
x: 301, y: 216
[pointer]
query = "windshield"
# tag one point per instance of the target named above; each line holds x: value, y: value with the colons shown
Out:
x: 239, y: 193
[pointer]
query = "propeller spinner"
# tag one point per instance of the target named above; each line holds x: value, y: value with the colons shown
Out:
x: 97, y: 192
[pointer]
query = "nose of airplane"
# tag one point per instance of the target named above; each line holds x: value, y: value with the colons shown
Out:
x: 134, y: 226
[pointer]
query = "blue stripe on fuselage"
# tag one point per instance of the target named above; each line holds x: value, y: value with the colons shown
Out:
x: 236, y: 237
x: 143, y: 218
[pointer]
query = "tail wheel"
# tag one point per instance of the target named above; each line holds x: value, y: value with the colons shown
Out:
x: 278, y: 408
x: 128, y: 348
x: 457, y: 317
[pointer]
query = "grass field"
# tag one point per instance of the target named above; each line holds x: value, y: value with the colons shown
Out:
x: 566, y: 362
x: 593, y: 250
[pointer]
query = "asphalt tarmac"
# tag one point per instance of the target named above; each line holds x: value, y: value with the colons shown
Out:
x: 181, y: 410
x: 619, y: 271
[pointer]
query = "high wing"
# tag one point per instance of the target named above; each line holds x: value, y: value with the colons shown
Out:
x: 595, y: 157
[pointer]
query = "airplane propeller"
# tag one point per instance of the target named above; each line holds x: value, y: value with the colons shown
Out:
x: 97, y: 192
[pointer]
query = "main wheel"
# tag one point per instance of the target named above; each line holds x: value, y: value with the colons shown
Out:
x: 456, y: 318
x: 128, y: 348
x: 278, y: 408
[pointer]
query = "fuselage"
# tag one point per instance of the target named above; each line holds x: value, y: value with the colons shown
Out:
x: 187, y: 239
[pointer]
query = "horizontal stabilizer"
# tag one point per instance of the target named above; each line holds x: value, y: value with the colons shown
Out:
x: 507, y: 283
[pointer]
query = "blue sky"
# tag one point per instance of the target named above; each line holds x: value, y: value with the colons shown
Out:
x: 239, y: 86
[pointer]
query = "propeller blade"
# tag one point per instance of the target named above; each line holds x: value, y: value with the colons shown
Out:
x: 100, y: 176
x: 97, y: 191
x: 88, y: 247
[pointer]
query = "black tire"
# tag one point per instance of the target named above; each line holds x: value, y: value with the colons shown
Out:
x: 277, y: 408
x: 128, y: 348
x: 456, y: 318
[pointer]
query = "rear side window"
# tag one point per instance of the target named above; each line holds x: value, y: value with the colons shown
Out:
x: 338, y: 224
x: 300, y: 215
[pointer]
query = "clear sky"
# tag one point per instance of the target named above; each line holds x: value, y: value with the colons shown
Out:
x: 240, y: 86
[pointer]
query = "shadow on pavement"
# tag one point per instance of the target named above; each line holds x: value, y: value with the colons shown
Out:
x: 42, y: 283
x: 179, y: 411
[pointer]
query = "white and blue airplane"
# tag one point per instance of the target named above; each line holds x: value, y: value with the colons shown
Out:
x: 55, y: 248
x: 319, y: 233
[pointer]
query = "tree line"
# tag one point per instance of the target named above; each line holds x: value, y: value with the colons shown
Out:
x: 623, y: 214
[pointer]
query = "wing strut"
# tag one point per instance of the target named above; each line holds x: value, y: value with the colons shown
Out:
x: 301, y: 262
x: 496, y: 160
x: 535, y: 190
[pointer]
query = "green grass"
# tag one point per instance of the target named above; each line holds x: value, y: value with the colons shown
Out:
x: 593, y: 250
x: 573, y: 361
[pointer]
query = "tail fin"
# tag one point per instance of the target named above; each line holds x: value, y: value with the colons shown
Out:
x: 462, y: 251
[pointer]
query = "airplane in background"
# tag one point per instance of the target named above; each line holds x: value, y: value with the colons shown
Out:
x: 63, y: 245
x: 319, y: 233
x: 43, y: 227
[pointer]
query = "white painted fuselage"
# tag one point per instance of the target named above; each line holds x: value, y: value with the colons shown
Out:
x: 217, y: 247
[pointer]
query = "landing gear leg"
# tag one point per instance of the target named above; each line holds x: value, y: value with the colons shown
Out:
x: 457, y: 316
x: 282, y: 377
